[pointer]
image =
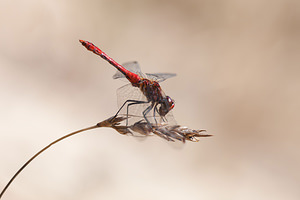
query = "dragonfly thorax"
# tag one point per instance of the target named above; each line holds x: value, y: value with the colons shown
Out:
x: 153, y: 92
x: 151, y: 89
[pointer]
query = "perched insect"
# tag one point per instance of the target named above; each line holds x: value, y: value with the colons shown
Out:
x: 153, y: 96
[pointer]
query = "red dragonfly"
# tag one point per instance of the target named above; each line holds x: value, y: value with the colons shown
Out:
x: 154, y: 97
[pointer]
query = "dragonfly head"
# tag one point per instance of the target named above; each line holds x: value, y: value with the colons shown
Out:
x: 166, y: 105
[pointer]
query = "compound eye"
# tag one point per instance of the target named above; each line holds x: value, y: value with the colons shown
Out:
x: 171, y: 103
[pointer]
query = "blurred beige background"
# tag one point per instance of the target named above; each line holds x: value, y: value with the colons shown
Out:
x: 238, y: 77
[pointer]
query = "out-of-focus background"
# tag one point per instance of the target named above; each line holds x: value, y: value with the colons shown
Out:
x: 238, y: 76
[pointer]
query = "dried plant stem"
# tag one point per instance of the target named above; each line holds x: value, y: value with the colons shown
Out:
x: 41, y: 151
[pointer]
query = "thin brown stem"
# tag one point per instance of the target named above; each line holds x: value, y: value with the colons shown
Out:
x: 41, y: 151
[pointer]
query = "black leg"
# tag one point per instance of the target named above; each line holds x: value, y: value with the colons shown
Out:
x: 145, y: 112
x: 133, y: 103
x: 155, y: 110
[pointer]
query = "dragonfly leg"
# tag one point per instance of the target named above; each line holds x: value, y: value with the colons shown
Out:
x: 134, y: 102
x: 145, y: 112
x: 155, y: 110
x: 130, y: 102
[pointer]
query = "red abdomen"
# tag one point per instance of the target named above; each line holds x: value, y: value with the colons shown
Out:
x: 132, y: 77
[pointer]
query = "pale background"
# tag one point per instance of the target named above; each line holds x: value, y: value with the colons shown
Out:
x: 238, y: 77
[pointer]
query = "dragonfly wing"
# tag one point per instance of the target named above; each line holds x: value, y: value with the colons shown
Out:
x: 170, y: 120
x: 128, y: 92
x: 135, y: 111
x: 160, y: 77
x: 132, y: 66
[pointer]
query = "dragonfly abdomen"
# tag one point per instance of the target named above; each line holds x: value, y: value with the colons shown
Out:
x: 132, y: 77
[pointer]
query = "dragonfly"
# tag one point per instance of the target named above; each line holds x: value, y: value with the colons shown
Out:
x: 153, y: 97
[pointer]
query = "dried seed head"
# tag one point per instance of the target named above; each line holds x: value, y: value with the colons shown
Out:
x: 165, y: 131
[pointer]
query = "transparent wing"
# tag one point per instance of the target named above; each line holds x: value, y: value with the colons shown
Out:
x: 160, y: 77
x: 128, y: 92
x: 132, y: 66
